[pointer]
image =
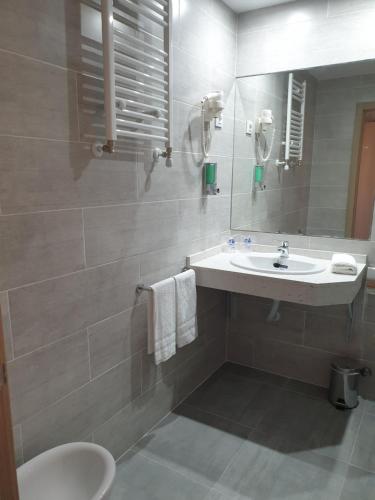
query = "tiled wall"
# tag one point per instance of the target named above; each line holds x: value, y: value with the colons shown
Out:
x: 305, y: 340
x: 78, y: 233
x: 305, y: 33
x: 282, y: 205
x: 335, y: 115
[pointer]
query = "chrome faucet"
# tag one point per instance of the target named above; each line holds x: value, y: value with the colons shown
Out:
x: 283, y: 249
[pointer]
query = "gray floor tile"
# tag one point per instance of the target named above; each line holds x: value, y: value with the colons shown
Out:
x: 258, y: 407
x: 364, y: 449
x: 138, y: 478
x: 369, y: 406
x: 336, y: 431
x: 229, y: 395
x: 313, y: 391
x: 254, y: 374
x: 197, y: 444
x: 304, y: 423
x: 214, y: 494
x: 292, y: 417
x: 359, y: 485
x: 261, y: 470
x: 299, y: 447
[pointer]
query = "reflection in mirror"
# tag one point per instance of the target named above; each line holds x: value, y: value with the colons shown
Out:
x: 304, y: 152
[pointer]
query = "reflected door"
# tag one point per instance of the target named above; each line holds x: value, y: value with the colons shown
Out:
x: 364, y: 203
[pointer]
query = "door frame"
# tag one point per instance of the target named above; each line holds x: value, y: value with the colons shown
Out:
x: 354, y: 165
x: 8, y: 474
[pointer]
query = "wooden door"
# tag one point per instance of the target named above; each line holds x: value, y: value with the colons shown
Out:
x: 364, y: 203
x: 8, y: 478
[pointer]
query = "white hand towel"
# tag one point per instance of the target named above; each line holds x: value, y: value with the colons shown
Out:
x: 162, y: 320
x: 186, y: 298
x: 342, y: 263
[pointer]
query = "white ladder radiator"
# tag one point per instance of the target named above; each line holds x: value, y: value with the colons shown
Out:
x: 295, y: 120
x: 137, y: 70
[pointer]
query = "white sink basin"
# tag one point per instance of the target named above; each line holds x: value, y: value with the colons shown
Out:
x: 264, y: 263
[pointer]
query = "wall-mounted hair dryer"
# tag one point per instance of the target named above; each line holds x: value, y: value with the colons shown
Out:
x: 264, y: 121
x: 212, y: 109
x: 262, y: 124
x: 213, y: 105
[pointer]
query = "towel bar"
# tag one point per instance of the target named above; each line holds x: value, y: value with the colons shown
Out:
x: 142, y: 288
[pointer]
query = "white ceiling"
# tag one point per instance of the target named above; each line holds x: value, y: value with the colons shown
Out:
x: 245, y: 5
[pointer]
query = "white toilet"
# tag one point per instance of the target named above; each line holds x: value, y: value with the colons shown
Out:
x: 74, y: 471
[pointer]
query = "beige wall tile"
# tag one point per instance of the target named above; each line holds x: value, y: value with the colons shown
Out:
x: 47, y: 311
x: 38, y: 100
x: 47, y: 374
x: 132, y: 422
x: 49, y: 31
x: 240, y: 349
x: 196, y: 369
x: 39, y: 246
x: 332, y: 334
x: 116, y: 232
x: 17, y: 439
x: 78, y: 414
x: 46, y: 175
x: 249, y: 317
x: 5, y: 318
x: 115, y: 339
x: 307, y: 365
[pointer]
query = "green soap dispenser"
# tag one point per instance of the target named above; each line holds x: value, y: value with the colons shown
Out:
x: 259, y: 176
x: 210, y: 178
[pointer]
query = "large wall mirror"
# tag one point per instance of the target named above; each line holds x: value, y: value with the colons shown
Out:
x: 304, y: 152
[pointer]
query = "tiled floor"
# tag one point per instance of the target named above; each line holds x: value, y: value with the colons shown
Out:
x: 245, y: 434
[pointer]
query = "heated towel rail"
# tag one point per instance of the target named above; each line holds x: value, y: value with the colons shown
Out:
x: 137, y: 68
x: 295, y: 120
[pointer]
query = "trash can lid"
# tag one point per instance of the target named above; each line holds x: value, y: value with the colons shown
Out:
x: 345, y: 365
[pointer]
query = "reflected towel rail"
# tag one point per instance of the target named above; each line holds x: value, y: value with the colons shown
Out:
x: 295, y: 119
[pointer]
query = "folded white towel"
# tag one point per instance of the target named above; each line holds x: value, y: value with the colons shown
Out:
x: 162, y: 320
x: 186, y: 298
x: 343, y: 263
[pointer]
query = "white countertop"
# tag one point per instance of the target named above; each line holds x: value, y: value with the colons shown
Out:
x: 215, y: 270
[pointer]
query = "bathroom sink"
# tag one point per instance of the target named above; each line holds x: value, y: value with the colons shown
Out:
x: 307, y: 280
x: 269, y: 262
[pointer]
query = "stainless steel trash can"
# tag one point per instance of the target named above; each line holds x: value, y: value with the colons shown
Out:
x: 343, y: 388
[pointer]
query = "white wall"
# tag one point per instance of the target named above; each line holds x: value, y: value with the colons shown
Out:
x: 304, y: 34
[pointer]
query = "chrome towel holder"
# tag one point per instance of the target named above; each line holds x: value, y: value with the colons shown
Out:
x: 143, y: 288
